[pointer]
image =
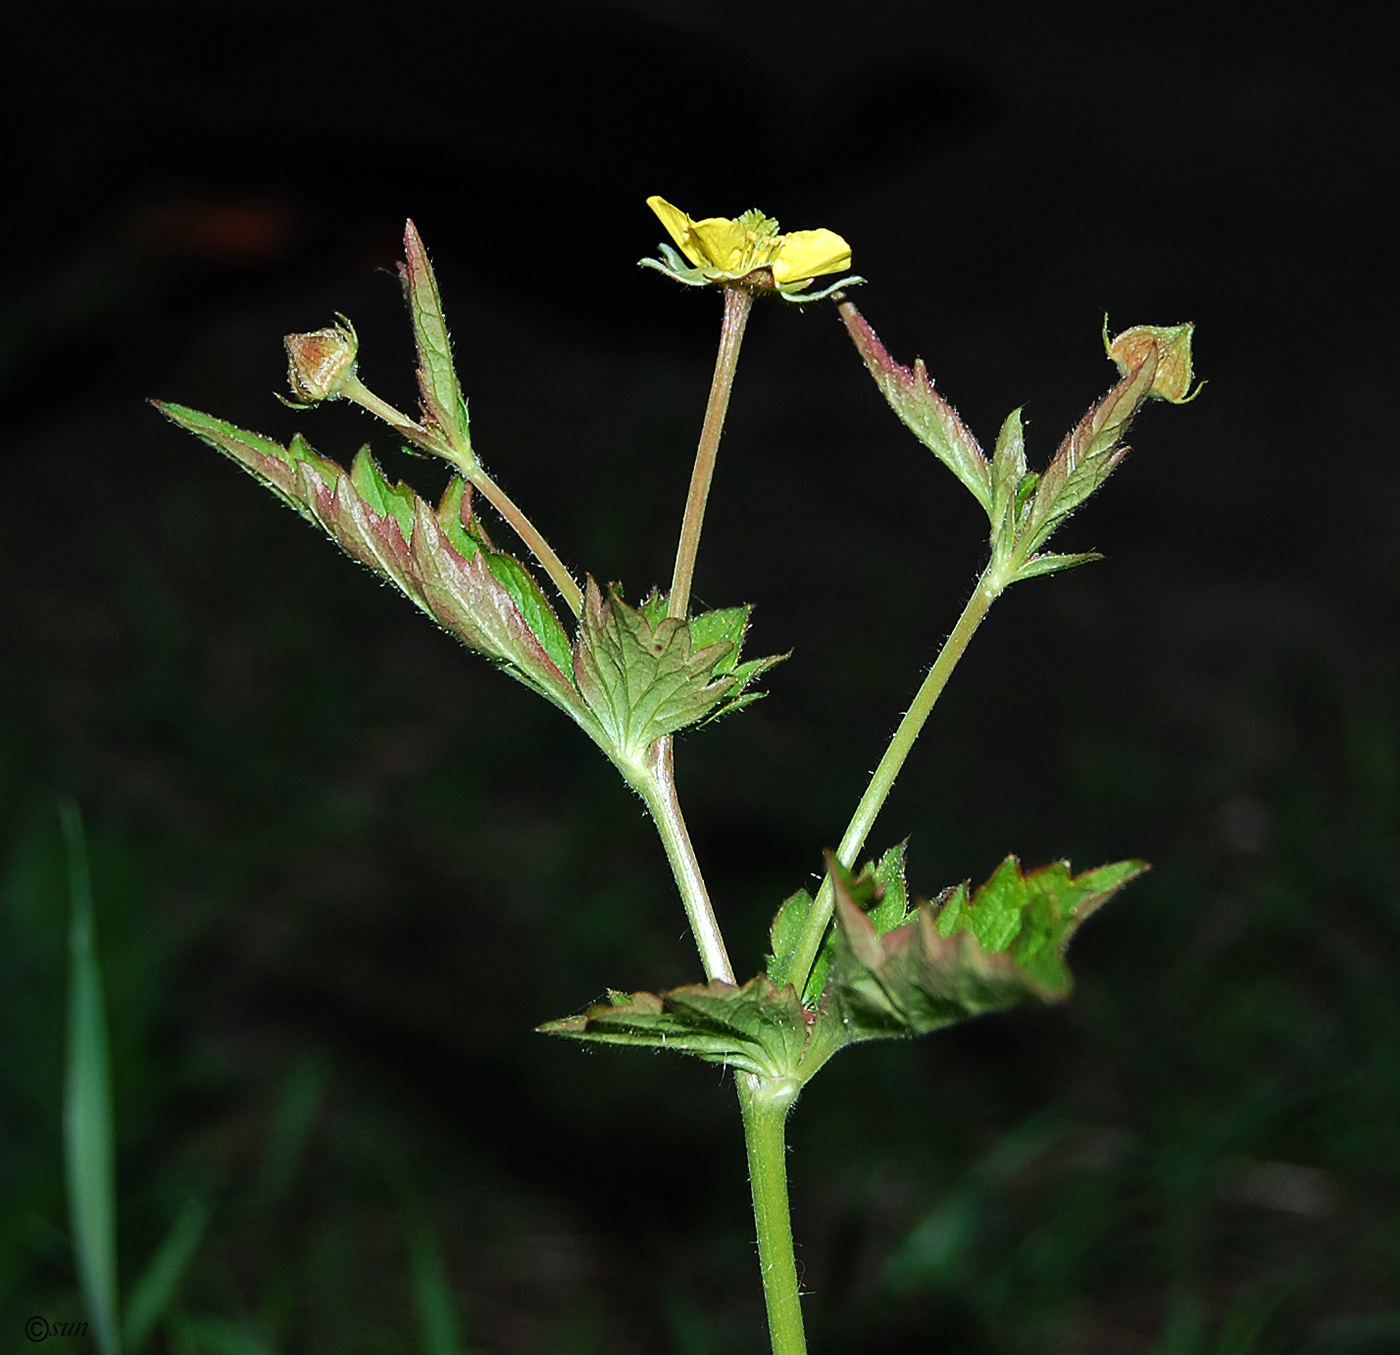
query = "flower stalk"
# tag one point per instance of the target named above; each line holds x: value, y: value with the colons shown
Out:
x: 738, y: 301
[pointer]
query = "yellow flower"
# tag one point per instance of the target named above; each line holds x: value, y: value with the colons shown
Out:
x: 723, y: 250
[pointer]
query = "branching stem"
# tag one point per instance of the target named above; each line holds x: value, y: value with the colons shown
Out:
x: 475, y: 475
x: 989, y: 587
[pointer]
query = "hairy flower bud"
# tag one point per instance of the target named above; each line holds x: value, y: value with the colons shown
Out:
x: 320, y: 363
x: 1173, y: 343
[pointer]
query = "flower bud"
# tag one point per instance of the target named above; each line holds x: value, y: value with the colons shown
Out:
x: 320, y: 364
x: 1173, y: 343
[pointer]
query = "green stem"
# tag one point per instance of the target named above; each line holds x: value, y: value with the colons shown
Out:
x: 989, y: 587
x: 765, y: 1104
x: 737, y: 304
x: 475, y: 475
x: 658, y: 788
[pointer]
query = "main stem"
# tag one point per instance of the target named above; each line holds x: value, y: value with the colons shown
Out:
x: 737, y: 304
x: 764, y: 1103
x: 989, y: 587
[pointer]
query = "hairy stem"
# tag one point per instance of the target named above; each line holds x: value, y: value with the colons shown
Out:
x: 764, y: 1103
x: 737, y: 304
x: 989, y: 587
x: 475, y: 475
x: 658, y: 789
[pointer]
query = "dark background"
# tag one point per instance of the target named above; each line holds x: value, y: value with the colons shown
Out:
x: 343, y: 869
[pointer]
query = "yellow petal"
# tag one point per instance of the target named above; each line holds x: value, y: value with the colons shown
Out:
x: 679, y: 228
x: 724, y: 242
x: 809, y: 254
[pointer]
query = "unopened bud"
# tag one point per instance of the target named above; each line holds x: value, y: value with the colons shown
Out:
x: 320, y: 364
x: 1173, y: 343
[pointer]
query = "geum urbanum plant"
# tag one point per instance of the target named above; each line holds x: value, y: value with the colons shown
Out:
x: 860, y: 960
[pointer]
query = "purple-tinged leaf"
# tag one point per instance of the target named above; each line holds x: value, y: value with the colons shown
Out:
x: 1088, y: 455
x: 960, y: 956
x: 925, y: 413
x: 444, y: 407
x: 760, y: 1028
x: 432, y: 557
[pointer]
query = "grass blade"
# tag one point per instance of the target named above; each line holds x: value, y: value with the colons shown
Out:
x: 151, y: 1294
x: 87, y: 1103
x: 439, y: 1332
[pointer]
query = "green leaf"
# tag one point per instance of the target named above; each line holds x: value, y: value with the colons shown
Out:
x: 443, y: 402
x: 789, y: 922
x: 1055, y: 564
x: 396, y: 500
x: 88, y: 1151
x: 960, y: 956
x: 879, y: 890
x: 759, y: 1028
x: 924, y: 412
x: 1008, y: 470
x: 642, y: 680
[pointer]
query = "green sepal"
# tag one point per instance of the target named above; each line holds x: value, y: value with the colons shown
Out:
x: 760, y: 1028
x: 923, y: 410
x: 444, y: 405
x: 644, y: 678
x: 961, y: 955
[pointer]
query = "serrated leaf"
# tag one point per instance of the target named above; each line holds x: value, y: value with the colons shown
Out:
x: 1055, y: 564
x: 443, y: 403
x: 727, y: 625
x: 760, y: 1028
x: 878, y: 889
x: 1088, y: 455
x: 643, y: 680
x: 368, y: 478
x: 961, y: 956
x: 430, y: 556
x: 924, y: 412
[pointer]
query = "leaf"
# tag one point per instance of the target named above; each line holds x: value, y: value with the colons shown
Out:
x: 789, y: 922
x: 155, y: 1290
x: 1008, y: 470
x: 1088, y: 455
x: 1055, y: 564
x: 961, y: 956
x: 760, y: 1028
x: 443, y: 404
x: 878, y: 890
x: 490, y: 602
x: 642, y: 680
x: 924, y: 412
x: 88, y: 1150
